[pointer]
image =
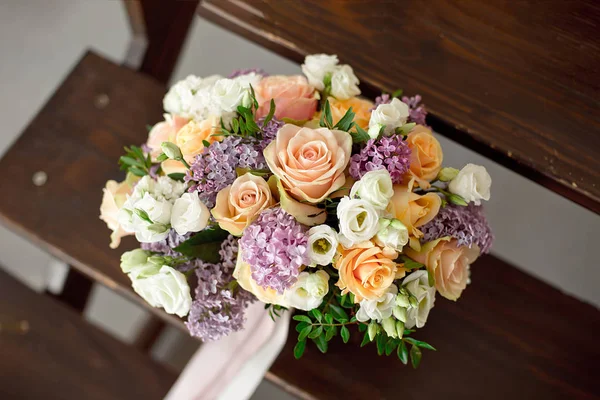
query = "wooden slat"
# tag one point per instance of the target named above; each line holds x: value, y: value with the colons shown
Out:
x: 510, y: 336
x: 49, y: 352
x: 516, y: 81
x: 76, y: 139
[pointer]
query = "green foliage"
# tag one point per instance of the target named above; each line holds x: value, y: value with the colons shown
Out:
x: 271, y: 113
x: 204, y: 245
x: 274, y: 310
x: 346, y: 123
x: 409, y: 263
x: 177, y: 176
x: 135, y: 162
x: 299, y: 349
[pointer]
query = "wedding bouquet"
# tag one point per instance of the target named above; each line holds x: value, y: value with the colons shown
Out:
x: 294, y: 191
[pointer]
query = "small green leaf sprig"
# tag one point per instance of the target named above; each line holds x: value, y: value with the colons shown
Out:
x: 346, y: 123
x: 135, y: 162
x: 245, y: 125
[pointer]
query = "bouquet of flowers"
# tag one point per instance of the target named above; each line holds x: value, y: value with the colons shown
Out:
x: 294, y: 191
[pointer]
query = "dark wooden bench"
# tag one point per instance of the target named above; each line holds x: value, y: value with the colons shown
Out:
x: 49, y: 352
x: 510, y: 335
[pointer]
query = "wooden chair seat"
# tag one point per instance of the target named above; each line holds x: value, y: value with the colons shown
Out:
x: 510, y: 336
x: 49, y: 352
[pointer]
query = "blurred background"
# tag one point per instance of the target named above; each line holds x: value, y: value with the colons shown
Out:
x: 536, y: 230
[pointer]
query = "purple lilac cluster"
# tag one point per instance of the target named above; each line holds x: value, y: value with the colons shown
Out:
x: 275, y: 246
x: 391, y: 153
x: 167, y: 245
x: 219, y: 304
x: 214, y: 169
x: 240, y: 72
x: 269, y: 131
x: 417, y: 111
x: 466, y: 224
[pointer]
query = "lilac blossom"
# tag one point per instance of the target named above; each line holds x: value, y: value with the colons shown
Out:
x: 275, y: 246
x: 391, y: 153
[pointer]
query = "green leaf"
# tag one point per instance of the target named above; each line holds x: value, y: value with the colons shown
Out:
x: 316, y: 332
x: 345, y: 333
x: 362, y: 327
x: 301, y: 318
x: 415, y: 356
x: 204, y: 245
x: 390, y: 346
x: 330, y: 332
x: 149, y: 127
x: 137, y: 171
x: 143, y: 215
x: 205, y: 143
x: 457, y: 200
x: 339, y: 313
x: 345, y: 123
x: 430, y: 278
x: 177, y: 176
x: 321, y: 343
x: 365, y: 340
x: 420, y: 343
x: 162, y: 157
x: 269, y: 116
x: 235, y: 125
x: 403, y: 353
x: 328, y: 318
x: 316, y: 314
x: 304, y: 333
x: 360, y: 135
x: 130, y: 161
x: 300, y: 326
x: 299, y: 349
x: 297, y: 122
x: 137, y: 151
x: 328, y: 116
x: 397, y: 93
x: 410, y: 263
x: 380, y: 341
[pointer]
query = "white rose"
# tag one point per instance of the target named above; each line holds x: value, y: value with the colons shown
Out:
x: 228, y: 94
x: 358, y: 221
x: 322, y: 244
x: 392, y: 233
x: 308, y: 291
x: 417, y: 283
x: 167, y: 289
x: 376, y: 187
x: 378, y: 309
x: 189, y: 214
x: 316, y: 66
x: 391, y: 115
x: 344, y: 84
x: 472, y: 183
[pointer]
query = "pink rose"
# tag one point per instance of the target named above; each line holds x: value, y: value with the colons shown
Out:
x: 164, y: 132
x: 294, y: 97
x: 115, y: 195
x: 449, y: 264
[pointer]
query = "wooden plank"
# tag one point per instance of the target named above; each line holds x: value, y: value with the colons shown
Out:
x: 510, y: 336
x: 76, y: 140
x: 48, y: 351
x: 516, y: 81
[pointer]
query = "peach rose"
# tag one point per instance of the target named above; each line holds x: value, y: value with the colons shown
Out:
x: 365, y: 271
x: 309, y: 162
x: 412, y: 209
x: 163, y: 131
x: 115, y: 195
x: 294, y: 97
x: 239, y: 203
x: 192, y: 136
x: 361, y: 107
x: 243, y: 275
x: 449, y: 264
x: 426, y: 155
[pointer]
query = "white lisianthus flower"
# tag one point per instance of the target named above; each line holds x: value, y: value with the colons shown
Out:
x: 376, y: 187
x: 392, y: 233
x: 308, y: 291
x: 133, y: 259
x: 322, y: 244
x: 228, y: 94
x: 189, y: 214
x: 378, y: 309
x: 472, y: 183
x: 391, y: 115
x: 344, y: 84
x: 317, y: 66
x: 358, y: 221
x: 168, y: 288
x: 417, y: 283
x: 392, y: 327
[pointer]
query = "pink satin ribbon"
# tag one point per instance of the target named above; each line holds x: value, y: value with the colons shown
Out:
x: 232, y: 368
